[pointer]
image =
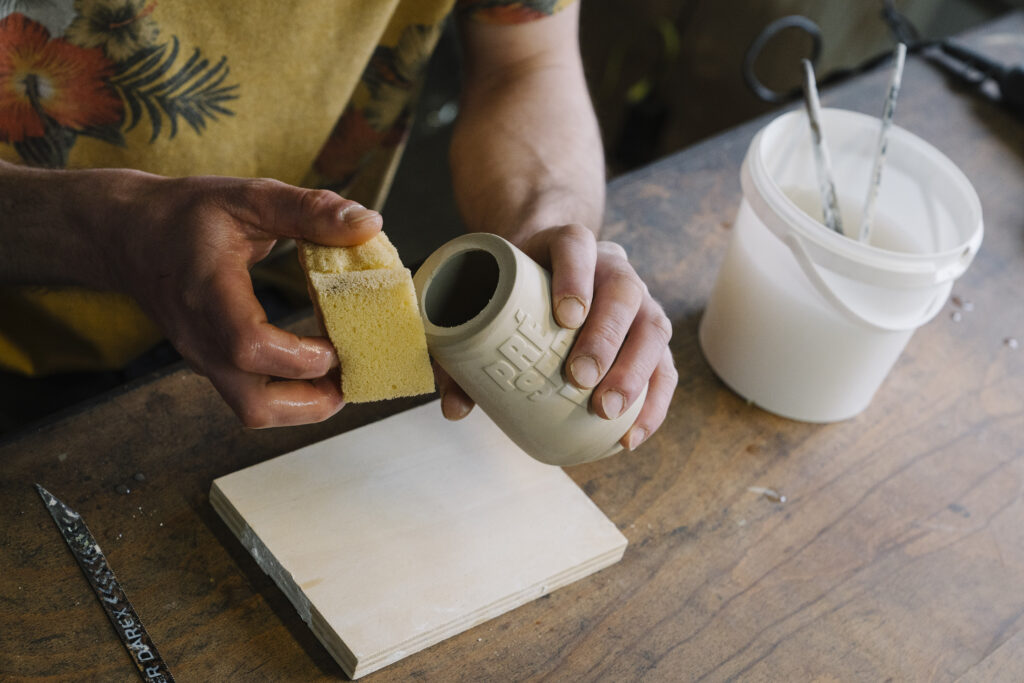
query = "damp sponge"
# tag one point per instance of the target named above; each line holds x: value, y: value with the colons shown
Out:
x: 375, y: 253
x: 367, y: 303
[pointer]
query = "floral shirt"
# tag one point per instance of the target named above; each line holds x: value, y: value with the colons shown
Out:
x: 312, y: 93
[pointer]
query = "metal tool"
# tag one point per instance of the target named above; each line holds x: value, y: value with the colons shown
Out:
x: 967, y: 64
x: 101, y: 577
x: 1008, y: 78
x: 822, y: 160
x: 888, y: 112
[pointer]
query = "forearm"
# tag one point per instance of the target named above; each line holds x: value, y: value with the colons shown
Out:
x: 526, y: 152
x: 527, y: 164
x: 55, y: 225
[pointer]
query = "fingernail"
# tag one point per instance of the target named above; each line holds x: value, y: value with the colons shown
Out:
x: 323, y: 353
x: 636, y: 437
x: 612, y: 402
x: 585, y: 371
x: 359, y: 216
x: 453, y: 410
x: 570, y: 312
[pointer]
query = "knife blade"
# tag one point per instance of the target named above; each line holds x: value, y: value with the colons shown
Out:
x: 108, y: 591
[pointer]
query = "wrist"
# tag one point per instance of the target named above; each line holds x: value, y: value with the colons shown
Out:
x: 106, y: 206
x: 63, y: 227
x: 552, y: 207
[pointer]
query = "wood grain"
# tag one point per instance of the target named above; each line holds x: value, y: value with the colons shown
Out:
x: 394, y: 536
x: 898, y: 554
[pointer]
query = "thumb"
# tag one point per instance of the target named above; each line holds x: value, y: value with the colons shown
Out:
x: 319, y: 216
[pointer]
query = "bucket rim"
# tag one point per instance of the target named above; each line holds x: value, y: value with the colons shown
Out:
x: 899, y: 268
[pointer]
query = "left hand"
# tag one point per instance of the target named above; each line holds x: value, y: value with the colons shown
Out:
x: 623, y: 343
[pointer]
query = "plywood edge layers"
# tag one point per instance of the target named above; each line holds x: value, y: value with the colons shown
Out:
x: 284, y: 581
x: 350, y: 664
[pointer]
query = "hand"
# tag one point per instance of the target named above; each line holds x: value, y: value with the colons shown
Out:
x: 183, y: 249
x: 623, y: 344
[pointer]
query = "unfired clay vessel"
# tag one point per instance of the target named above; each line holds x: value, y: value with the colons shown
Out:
x: 486, y: 308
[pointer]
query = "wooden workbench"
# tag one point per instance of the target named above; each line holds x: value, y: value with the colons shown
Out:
x: 897, y: 554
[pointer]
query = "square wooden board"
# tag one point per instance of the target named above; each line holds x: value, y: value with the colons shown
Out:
x: 397, y: 535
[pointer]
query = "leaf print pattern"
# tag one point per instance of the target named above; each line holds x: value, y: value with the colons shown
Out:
x: 379, y: 117
x: 377, y: 121
x: 99, y: 75
x: 196, y: 92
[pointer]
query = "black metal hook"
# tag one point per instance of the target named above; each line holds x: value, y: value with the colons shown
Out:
x: 754, y: 51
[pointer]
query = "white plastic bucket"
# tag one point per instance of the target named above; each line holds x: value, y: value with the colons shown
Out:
x: 805, y: 322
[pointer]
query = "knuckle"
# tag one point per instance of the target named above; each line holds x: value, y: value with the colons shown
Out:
x: 609, y: 248
x: 670, y: 374
x: 673, y: 375
x: 606, y: 335
x: 250, y: 201
x: 628, y: 381
x: 577, y: 232
x: 627, y: 283
x: 255, y: 416
x: 315, y: 201
x: 661, y: 326
x: 260, y: 185
x: 254, y: 190
x: 244, y: 352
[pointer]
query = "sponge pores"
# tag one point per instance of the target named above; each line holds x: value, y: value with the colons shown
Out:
x: 367, y: 303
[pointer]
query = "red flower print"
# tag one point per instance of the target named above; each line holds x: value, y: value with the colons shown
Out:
x: 352, y: 139
x: 44, y: 79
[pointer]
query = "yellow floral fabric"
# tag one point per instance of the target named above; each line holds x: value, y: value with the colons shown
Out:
x: 310, y: 92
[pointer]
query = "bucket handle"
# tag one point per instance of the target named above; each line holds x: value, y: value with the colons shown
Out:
x: 809, y: 268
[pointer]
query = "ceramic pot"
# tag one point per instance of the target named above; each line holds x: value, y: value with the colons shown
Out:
x: 486, y: 309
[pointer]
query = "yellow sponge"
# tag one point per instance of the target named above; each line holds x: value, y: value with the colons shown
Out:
x: 377, y: 252
x: 368, y: 304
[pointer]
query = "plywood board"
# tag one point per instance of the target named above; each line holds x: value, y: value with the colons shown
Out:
x: 397, y: 535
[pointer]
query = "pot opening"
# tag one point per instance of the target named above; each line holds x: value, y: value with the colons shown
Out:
x: 461, y: 288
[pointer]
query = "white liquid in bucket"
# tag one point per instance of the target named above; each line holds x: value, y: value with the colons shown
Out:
x: 885, y: 234
x: 774, y: 335
x: 888, y: 304
x: 807, y: 323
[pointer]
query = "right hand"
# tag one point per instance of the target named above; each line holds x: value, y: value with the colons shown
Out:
x: 182, y: 247
x: 625, y: 333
